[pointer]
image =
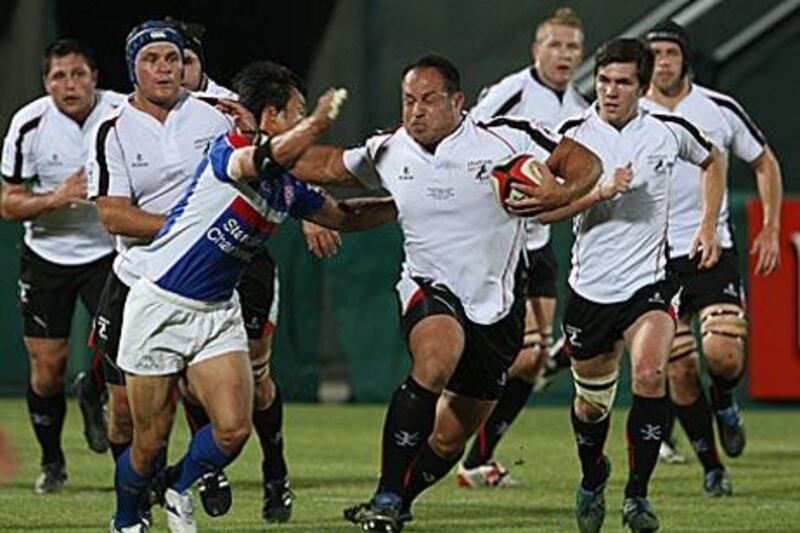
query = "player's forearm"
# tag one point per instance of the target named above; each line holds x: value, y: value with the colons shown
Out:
x: 130, y: 221
x: 713, y: 190
x: 323, y: 165
x: 770, y: 188
x: 366, y: 213
x: 573, y: 208
x: 24, y: 205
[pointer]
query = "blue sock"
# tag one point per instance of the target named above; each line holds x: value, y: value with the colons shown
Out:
x: 129, y: 486
x: 203, y: 455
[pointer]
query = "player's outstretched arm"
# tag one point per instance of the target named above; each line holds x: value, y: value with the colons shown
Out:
x: 355, y: 214
x: 285, y: 149
x: 770, y: 189
x: 706, y: 239
x: 120, y: 217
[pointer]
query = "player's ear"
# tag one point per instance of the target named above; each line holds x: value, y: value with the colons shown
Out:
x: 458, y: 101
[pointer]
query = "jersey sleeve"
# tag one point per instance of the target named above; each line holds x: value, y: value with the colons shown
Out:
x: 219, y: 156
x: 693, y: 145
x: 496, y: 100
x: 361, y: 161
x: 524, y: 136
x: 106, y: 171
x: 747, y: 141
x: 19, y: 163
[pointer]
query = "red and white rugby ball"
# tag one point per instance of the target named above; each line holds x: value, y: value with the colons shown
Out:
x: 520, y: 169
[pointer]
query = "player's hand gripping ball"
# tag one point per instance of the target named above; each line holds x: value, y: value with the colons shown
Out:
x: 520, y: 169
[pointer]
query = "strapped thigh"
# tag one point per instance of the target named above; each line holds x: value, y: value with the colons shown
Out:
x: 683, y: 345
x: 727, y: 320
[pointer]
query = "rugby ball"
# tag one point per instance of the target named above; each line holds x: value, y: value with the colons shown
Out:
x: 520, y: 169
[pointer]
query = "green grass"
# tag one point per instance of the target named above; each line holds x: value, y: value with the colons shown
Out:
x: 333, y: 457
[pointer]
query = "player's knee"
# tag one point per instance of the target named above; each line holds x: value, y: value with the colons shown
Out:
x: 432, y: 371
x: 649, y: 378
x: 724, y: 355
x: 47, y: 383
x: 594, y: 396
x: 447, y: 446
x: 525, y: 367
x: 684, y: 371
x: 231, y: 434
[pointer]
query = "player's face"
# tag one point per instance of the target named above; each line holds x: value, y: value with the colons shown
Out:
x: 618, y: 92
x: 668, y: 66
x: 557, y: 51
x: 430, y: 113
x: 192, y: 70
x: 71, y: 83
x: 159, y: 73
x: 275, y: 122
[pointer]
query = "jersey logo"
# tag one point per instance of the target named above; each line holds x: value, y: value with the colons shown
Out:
x: 730, y: 290
x: 405, y: 175
x: 54, y: 161
x: 481, y: 169
x: 662, y: 165
x: 440, y: 193
x: 140, y: 161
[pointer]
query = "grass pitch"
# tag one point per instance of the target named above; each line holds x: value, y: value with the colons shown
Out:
x: 333, y: 457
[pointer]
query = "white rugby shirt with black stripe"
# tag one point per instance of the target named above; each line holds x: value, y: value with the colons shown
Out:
x: 151, y: 163
x: 620, y: 243
x: 729, y: 127
x: 455, y: 231
x: 43, y: 147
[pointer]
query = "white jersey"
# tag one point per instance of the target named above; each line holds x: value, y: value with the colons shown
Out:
x: 523, y: 94
x: 620, y: 244
x: 724, y: 121
x: 151, y: 163
x: 456, y: 233
x: 42, y: 148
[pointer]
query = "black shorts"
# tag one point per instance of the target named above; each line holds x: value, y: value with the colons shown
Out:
x: 107, y: 326
x: 701, y: 288
x: 489, y: 350
x: 258, y: 295
x: 48, y: 292
x: 592, y: 329
x: 540, y: 272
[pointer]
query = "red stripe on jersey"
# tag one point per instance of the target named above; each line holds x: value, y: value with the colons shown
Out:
x: 416, y: 298
x: 238, y: 140
x: 252, y: 216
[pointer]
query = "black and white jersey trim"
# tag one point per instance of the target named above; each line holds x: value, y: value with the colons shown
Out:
x: 16, y: 176
x: 509, y: 104
x: 691, y: 128
x: 741, y: 115
x: 534, y: 133
x: 570, y: 124
x: 102, y: 163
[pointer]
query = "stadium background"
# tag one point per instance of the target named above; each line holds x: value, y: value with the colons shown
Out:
x: 338, y: 334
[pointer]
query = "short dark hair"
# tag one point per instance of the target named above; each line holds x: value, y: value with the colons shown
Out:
x: 65, y: 47
x: 627, y: 50
x: 264, y: 83
x: 452, y: 80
